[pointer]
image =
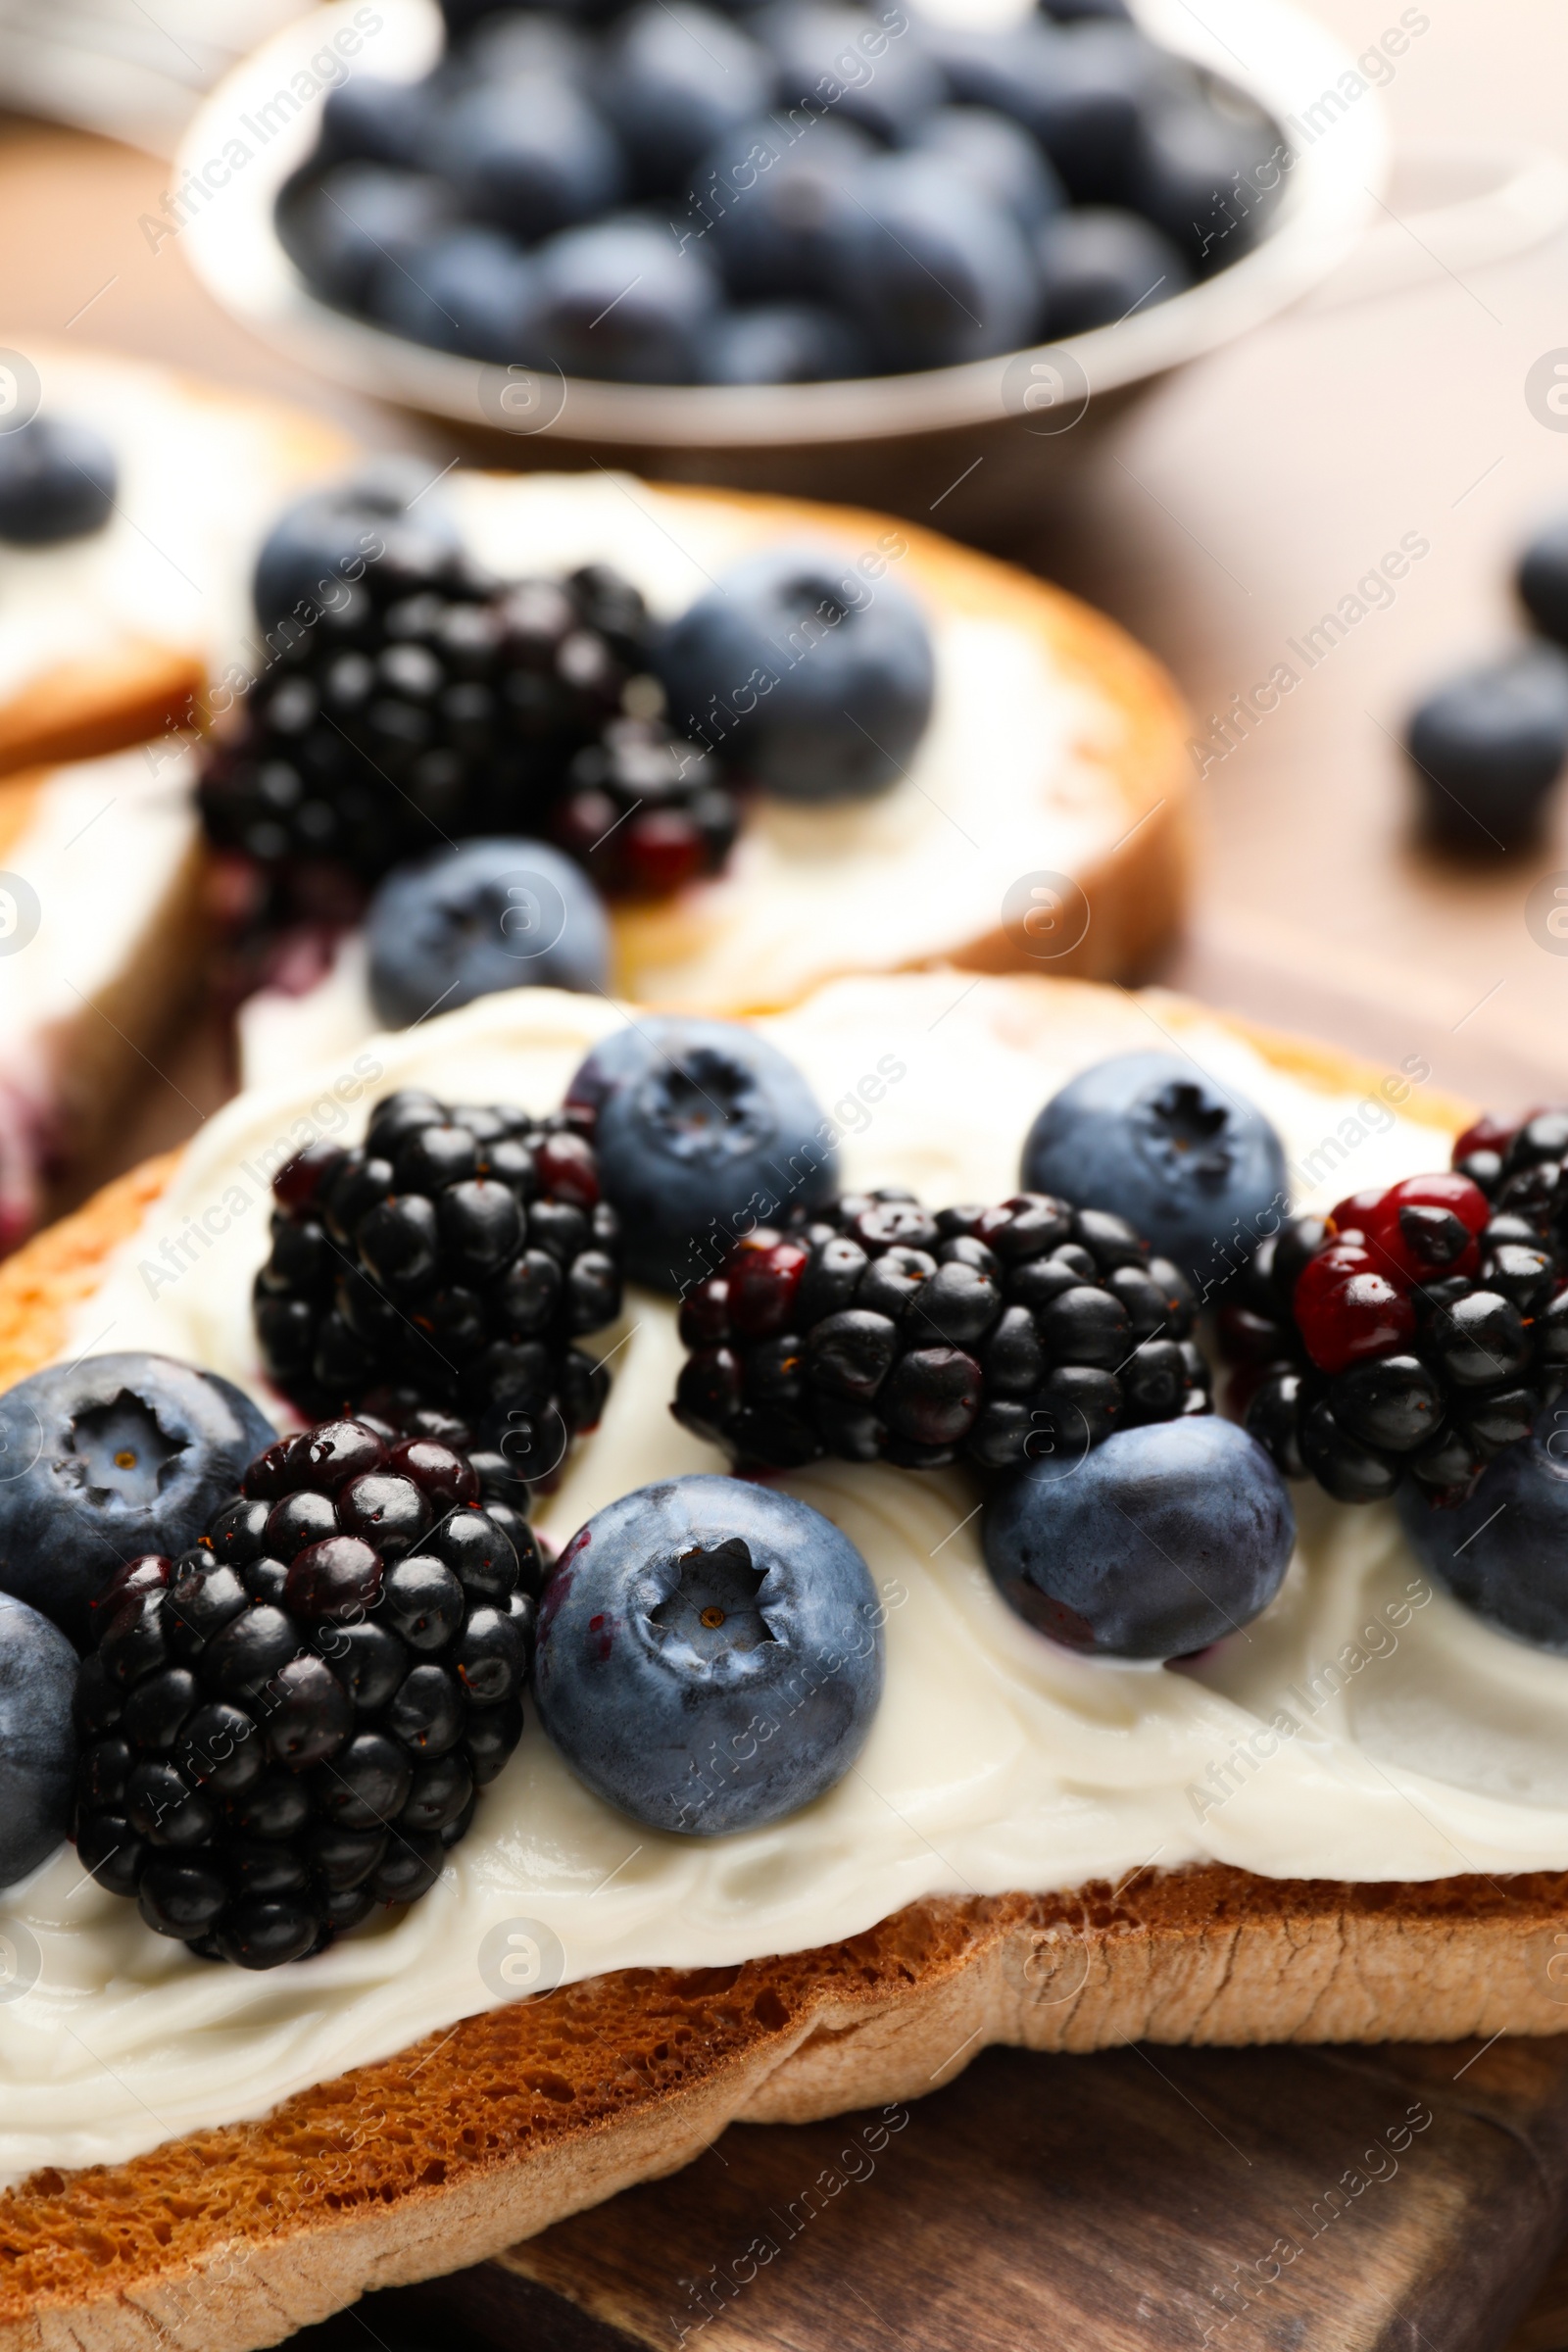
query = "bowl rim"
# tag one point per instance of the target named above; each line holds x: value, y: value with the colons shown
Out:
x: 1269, y: 48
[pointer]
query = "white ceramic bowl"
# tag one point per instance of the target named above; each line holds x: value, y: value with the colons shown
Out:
x: 978, y: 441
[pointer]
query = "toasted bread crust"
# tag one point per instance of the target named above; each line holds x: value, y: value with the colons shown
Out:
x: 468, y: 2142
x: 474, y: 2138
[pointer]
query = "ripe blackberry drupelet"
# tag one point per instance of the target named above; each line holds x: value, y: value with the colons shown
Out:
x: 454, y: 1256
x: 880, y: 1331
x: 1417, y: 1331
x: 291, y: 1723
x: 433, y: 703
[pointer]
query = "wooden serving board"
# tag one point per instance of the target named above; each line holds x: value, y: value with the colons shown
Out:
x: 1393, y: 2199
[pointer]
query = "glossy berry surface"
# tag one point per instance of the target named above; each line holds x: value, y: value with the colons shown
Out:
x: 290, y: 1722
x: 457, y: 1254
x: 1200, y: 1171
x: 462, y: 924
x: 58, y: 480
x: 107, y: 1457
x: 701, y: 1127
x: 411, y: 702
x: 876, y: 1330
x: 1418, y: 1333
x: 1164, y: 1540
x: 37, y: 1738
x: 812, y: 682
x: 709, y: 1655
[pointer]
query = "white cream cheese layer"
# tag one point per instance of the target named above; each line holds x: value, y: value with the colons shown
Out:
x: 1364, y: 1728
x: 202, y: 477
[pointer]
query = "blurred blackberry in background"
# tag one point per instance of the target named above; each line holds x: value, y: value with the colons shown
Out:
x: 450, y: 1261
x: 878, y: 1331
x: 426, y: 704
x: 1418, y: 1330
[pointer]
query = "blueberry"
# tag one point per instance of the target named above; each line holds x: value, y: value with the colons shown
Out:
x: 1193, y: 175
x: 1542, y: 579
x: 677, y: 79
x: 530, y: 154
x: 839, y: 672
x: 1198, y: 1172
x: 37, y: 1740
x: 1093, y: 88
x: 699, y: 1124
x: 330, y: 535
x: 107, y: 1458
x: 936, y: 272
x: 58, y: 480
x: 1006, y: 164
x: 511, y: 42
x: 842, y: 60
x: 468, y: 290
x: 336, y: 227
x: 369, y: 120
x: 1504, y: 1552
x: 1010, y: 70
x: 774, y: 201
x: 1488, y: 747
x: 621, y: 302
x: 709, y: 1655
x: 467, y: 922
x: 1162, y: 1540
x: 780, y: 343
x: 1097, y: 264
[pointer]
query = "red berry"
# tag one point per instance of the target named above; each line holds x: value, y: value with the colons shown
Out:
x: 568, y: 1169
x: 1397, y: 1242
x: 662, y: 850
x: 1351, y: 1214
x: 299, y: 1180
x: 1347, y: 1312
x: 1488, y: 1134
x: 705, y: 1314
x: 764, y: 1275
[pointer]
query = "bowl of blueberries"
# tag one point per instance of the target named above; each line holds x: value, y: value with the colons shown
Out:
x: 842, y: 248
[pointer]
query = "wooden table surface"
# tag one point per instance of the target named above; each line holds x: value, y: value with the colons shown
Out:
x: 1218, y: 522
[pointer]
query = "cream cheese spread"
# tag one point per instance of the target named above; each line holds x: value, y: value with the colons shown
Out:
x: 202, y: 477
x: 1364, y: 1728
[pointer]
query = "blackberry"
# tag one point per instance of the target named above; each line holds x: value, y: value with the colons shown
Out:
x: 453, y: 1257
x: 291, y: 1723
x: 431, y: 703
x: 880, y: 1331
x: 1421, y: 1329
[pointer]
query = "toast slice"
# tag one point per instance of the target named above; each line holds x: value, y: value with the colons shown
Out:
x: 111, y: 639
x: 1055, y: 758
x: 102, y: 934
x: 488, y: 2131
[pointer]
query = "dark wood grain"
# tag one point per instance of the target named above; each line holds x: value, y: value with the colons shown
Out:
x: 1383, y: 2200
